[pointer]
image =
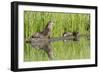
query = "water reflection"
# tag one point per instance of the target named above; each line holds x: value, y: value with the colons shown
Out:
x: 65, y: 43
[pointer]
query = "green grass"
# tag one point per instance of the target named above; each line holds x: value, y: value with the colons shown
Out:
x: 69, y: 22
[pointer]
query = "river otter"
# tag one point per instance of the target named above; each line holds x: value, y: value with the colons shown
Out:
x: 74, y: 34
x: 45, y: 34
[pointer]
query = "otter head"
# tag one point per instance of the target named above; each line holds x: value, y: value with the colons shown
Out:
x: 50, y: 24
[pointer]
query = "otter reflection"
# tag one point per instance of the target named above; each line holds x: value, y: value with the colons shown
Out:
x: 40, y: 39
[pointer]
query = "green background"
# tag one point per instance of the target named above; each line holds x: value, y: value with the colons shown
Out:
x: 63, y: 22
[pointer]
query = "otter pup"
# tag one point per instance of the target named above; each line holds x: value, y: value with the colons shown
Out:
x: 75, y: 34
x: 45, y: 34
